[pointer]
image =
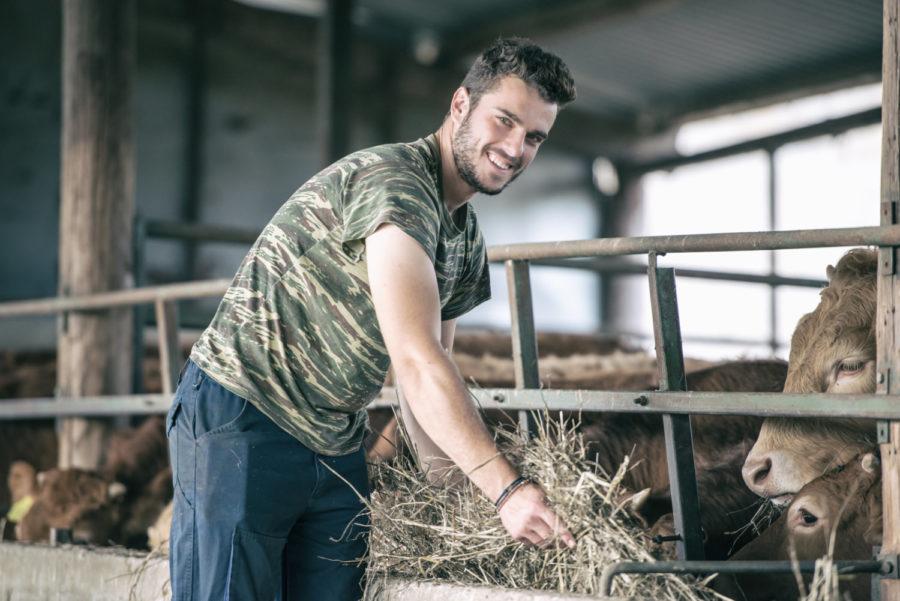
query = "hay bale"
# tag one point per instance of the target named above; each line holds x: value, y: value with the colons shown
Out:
x: 436, y: 533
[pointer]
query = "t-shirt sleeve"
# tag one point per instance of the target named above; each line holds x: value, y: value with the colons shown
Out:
x: 389, y: 193
x: 473, y: 287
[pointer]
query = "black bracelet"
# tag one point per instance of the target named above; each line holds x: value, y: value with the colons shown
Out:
x: 510, y: 489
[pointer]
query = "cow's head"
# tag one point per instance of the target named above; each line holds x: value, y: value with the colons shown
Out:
x: 82, y: 501
x: 832, y: 350
x: 837, y: 514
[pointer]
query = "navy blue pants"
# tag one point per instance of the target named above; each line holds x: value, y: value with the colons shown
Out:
x: 257, y: 515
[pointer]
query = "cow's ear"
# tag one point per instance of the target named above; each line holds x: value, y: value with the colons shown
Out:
x: 116, y: 490
x: 829, y: 272
x: 869, y: 463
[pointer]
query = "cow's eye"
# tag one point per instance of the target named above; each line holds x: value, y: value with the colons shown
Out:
x: 807, y: 518
x: 848, y: 367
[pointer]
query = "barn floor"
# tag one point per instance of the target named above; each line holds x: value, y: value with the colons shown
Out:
x: 45, y: 573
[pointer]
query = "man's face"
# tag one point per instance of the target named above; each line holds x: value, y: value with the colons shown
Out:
x: 499, y: 137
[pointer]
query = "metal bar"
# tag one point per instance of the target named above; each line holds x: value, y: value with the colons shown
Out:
x: 334, y: 77
x: 524, y: 340
x: 763, y: 404
x: 773, y: 217
x: 677, y: 428
x: 98, y: 406
x: 118, y: 298
x: 201, y: 232
x: 884, y: 236
x: 138, y: 312
x: 733, y: 567
x: 828, y: 127
x: 617, y: 267
x: 169, y: 350
x: 689, y: 338
x: 725, y: 242
x: 195, y: 130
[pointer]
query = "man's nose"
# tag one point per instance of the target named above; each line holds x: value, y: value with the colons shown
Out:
x: 514, y: 144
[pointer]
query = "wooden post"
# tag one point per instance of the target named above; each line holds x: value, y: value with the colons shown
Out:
x: 888, y: 325
x: 96, y: 210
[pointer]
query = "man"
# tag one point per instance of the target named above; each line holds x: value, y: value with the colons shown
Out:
x: 367, y: 265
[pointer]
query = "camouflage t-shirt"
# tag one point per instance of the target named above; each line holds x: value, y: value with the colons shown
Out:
x: 296, y: 332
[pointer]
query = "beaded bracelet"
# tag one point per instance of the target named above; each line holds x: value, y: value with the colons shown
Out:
x: 510, y: 489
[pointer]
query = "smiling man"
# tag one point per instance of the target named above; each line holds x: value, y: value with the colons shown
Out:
x: 368, y: 265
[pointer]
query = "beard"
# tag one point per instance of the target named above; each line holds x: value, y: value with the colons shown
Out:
x: 465, y: 155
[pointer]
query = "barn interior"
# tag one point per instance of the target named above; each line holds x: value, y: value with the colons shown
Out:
x: 235, y: 104
x: 692, y: 117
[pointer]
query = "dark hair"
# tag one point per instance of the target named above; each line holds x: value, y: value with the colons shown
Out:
x: 520, y: 57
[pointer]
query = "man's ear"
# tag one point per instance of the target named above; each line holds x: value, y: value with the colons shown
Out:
x: 459, y: 105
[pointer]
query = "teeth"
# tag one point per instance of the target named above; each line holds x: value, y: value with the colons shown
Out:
x: 492, y: 158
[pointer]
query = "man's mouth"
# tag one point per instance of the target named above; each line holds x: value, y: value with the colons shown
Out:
x: 498, y: 162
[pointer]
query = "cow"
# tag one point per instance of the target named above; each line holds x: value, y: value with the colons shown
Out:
x: 837, y: 514
x: 138, y: 478
x: 75, y: 499
x: 720, y: 444
x: 832, y: 350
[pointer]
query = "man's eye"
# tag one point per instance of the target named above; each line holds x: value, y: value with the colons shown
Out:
x: 506, y: 121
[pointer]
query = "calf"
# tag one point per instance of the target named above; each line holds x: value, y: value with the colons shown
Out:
x: 838, y: 514
x: 136, y: 468
x: 79, y: 500
x: 720, y: 444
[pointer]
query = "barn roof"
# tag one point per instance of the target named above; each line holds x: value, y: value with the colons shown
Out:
x: 643, y: 66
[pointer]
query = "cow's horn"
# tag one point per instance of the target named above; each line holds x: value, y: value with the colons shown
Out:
x: 829, y: 272
x: 639, y: 499
x: 116, y: 489
x: 870, y: 462
x: 41, y: 477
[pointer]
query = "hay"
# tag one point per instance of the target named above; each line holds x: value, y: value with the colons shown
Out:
x: 437, y: 533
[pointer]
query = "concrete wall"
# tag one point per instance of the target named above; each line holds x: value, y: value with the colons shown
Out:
x: 43, y: 573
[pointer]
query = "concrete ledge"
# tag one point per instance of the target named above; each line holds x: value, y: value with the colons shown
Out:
x: 75, y: 573
x: 409, y: 590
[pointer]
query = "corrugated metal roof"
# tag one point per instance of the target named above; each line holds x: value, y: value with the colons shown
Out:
x: 654, y: 62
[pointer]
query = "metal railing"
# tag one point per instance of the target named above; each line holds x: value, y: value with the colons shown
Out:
x: 672, y: 401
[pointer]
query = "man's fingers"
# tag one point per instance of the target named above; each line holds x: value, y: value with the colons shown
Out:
x: 558, y: 529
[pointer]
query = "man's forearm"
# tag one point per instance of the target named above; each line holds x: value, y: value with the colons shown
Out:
x: 446, y: 425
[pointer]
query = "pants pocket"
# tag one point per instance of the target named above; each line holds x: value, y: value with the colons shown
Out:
x: 254, y: 571
x: 217, y: 409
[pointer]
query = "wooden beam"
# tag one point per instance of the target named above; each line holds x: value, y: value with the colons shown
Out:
x: 888, y: 325
x: 96, y: 210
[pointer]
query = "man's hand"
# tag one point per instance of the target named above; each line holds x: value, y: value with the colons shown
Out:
x: 527, y: 518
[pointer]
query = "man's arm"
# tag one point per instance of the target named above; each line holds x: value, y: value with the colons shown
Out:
x: 405, y: 295
x: 432, y: 460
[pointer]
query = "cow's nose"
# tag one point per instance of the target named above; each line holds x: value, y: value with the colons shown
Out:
x: 756, y: 471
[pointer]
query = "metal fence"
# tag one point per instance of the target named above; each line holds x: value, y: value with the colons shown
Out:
x: 673, y: 402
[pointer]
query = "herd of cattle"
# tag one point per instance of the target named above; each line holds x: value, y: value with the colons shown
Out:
x: 823, y: 474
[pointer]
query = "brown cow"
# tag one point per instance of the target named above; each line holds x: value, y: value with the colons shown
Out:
x: 720, y: 444
x: 838, y: 514
x: 832, y: 350
x: 136, y: 467
x: 75, y: 499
